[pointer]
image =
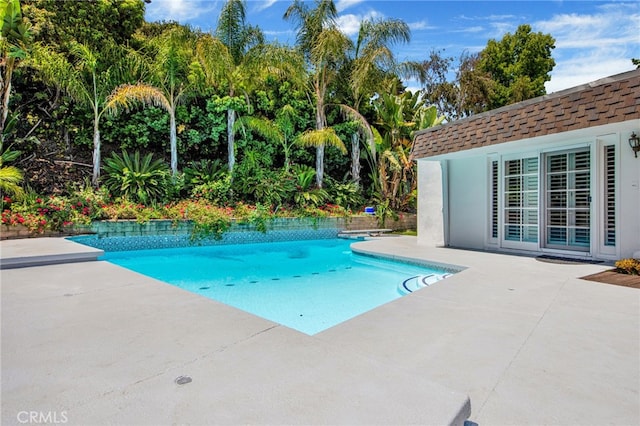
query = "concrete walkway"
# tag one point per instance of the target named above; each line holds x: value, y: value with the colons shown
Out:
x: 528, y: 342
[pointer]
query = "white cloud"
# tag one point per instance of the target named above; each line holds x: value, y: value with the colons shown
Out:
x: 180, y: 10
x: 265, y: 4
x: 574, y: 72
x: 346, y: 4
x: 590, y: 47
x: 420, y: 25
x: 350, y: 23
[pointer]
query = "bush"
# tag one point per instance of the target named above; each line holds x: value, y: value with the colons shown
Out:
x: 347, y: 195
x: 215, y: 191
x: 628, y: 266
x: 141, y: 180
x: 207, y: 220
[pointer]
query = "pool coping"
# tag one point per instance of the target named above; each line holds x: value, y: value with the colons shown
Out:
x: 23, y: 253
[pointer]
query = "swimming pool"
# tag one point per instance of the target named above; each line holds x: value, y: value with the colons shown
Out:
x: 305, y: 285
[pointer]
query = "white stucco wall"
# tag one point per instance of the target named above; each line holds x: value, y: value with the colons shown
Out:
x: 467, y: 205
x: 629, y: 198
x: 431, y: 201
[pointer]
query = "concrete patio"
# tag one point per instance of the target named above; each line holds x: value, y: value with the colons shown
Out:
x: 528, y: 342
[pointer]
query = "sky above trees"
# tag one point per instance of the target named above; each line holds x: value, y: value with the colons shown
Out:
x: 594, y: 39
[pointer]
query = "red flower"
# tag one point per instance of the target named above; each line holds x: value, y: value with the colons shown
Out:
x: 38, y: 200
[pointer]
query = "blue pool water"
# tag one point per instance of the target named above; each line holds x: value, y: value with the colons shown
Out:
x: 305, y: 285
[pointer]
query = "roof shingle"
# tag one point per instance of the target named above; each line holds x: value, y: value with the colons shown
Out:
x: 610, y: 100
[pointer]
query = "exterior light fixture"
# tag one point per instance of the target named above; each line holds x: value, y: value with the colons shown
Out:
x: 634, y: 143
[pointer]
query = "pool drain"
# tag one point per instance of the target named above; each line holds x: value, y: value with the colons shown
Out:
x: 182, y: 380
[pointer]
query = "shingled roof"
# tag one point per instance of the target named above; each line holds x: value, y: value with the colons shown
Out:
x: 609, y: 100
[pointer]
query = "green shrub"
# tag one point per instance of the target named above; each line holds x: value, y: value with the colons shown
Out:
x: 215, y: 191
x: 347, y: 194
x: 204, y: 172
x: 141, y: 180
x: 305, y: 194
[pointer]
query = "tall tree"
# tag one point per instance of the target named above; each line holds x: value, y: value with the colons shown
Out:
x: 324, y: 47
x: 519, y: 64
x: 14, y: 44
x: 94, y: 23
x: 181, y: 62
x: 399, y: 117
x: 371, y: 62
x: 91, y: 81
x: 239, y: 38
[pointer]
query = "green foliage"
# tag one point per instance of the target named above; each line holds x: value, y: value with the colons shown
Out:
x: 10, y: 176
x: 384, y: 212
x: 519, y: 64
x: 138, y: 179
x: 215, y: 191
x: 345, y: 194
x: 305, y: 194
x: 205, y: 171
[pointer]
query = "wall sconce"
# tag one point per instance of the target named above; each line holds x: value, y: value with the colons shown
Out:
x: 634, y: 143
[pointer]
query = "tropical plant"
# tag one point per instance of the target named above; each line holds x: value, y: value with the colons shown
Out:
x: 10, y: 176
x: 139, y: 179
x: 345, y: 194
x: 237, y: 69
x: 181, y: 63
x: 280, y: 130
x: 14, y: 45
x: 324, y: 47
x: 399, y: 116
x: 215, y: 191
x: 306, y: 194
x: 204, y: 171
x: 370, y: 65
x: 96, y: 84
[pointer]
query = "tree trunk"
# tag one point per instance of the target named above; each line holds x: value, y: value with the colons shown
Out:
x: 173, y: 140
x: 355, y: 158
x: 6, y: 92
x: 231, y: 119
x: 321, y: 122
x: 96, y: 153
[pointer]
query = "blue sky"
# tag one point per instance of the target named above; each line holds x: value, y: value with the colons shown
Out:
x: 594, y: 39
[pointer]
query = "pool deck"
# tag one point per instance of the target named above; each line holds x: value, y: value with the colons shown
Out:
x: 527, y: 342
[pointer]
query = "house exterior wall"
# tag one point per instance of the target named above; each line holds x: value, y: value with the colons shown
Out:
x: 466, y: 192
x: 468, y: 213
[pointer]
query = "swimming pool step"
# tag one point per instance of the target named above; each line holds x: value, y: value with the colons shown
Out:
x: 419, y: 281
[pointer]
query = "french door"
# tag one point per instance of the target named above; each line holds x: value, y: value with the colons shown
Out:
x: 567, y: 200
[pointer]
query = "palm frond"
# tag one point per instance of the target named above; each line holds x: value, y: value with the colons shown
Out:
x: 261, y: 126
x: 363, y: 124
x: 128, y: 95
x: 10, y: 178
x: 322, y: 137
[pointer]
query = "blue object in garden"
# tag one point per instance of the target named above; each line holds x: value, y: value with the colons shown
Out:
x: 369, y: 210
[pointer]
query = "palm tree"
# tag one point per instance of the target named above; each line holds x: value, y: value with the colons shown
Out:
x: 372, y: 59
x: 237, y: 65
x: 13, y: 49
x: 180, y: 63
x: 280, y: 130
x: 399, y: 117
x: 324, y: 47
x: 89, y: 82
x: 171, y: 54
